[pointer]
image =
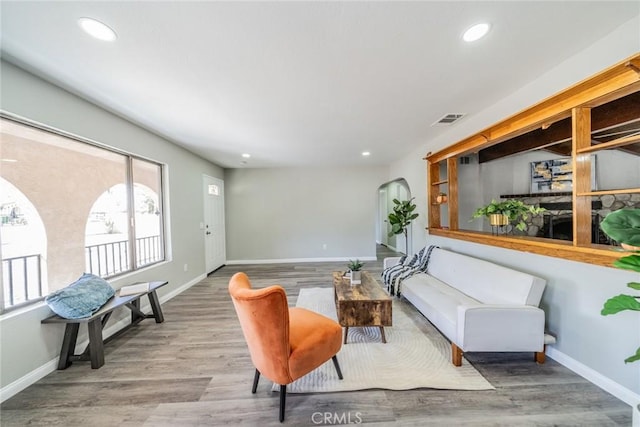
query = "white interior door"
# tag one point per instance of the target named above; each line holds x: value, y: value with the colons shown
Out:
x: 383, y: 222
x: 214, y: 233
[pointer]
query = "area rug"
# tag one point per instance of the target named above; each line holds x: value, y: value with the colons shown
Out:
x: 410, y: 359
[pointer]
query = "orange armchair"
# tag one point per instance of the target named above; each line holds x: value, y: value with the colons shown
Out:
x: 285, y: 343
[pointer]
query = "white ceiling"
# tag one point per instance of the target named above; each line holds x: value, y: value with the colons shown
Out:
x: 299, y: 83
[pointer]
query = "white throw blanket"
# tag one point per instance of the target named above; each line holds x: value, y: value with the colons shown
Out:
x: 392, y: 276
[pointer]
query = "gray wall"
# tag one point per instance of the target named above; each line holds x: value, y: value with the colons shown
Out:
x: 587, y: 342
x: 292, y: 213
x: 26, y: 344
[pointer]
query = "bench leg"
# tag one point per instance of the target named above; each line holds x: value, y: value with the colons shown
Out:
x: 346, y: 332
x: 136, y: 314
x: 155, y: 307
x: 384, y: 339
x: 541, y: 355
x: 96, y: 345
x: 68, y: 345
x: 456, y: 355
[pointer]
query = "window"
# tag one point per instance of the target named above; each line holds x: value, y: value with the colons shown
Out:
x: 86, y: 209
x: 147, y: 185
x: 24, y: 246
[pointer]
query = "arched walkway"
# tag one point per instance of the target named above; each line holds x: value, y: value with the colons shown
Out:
x: 395, y: 189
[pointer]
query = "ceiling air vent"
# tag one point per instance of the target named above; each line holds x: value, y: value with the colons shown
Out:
x: 448, y: 119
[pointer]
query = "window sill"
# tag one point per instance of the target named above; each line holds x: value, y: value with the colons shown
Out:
x: 30, y: 306
x: 593, y: 254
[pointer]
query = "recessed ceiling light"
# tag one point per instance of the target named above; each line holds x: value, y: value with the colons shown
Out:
x: 476, y: 32
x: 9, y: 160
x: 97, y: 29
x: 366, y: 153
x: 246, y: 155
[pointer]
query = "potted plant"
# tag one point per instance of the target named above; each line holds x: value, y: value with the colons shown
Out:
x: 355, y: 273
x: 507, y: 211
x: 623, y: 226
x: 400, y: 219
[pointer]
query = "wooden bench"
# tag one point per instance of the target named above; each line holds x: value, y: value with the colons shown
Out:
x: 96, y: 323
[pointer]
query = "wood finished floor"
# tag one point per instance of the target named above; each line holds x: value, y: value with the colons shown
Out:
x: 194, y: 369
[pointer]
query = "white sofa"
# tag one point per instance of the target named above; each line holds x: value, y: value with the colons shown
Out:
x: 478, y: 305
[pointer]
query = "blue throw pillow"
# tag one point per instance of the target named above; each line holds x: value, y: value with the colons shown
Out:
x: 82, y: 298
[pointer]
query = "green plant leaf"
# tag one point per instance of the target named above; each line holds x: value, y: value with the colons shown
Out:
x: 630, y: 262
x: 623, y: 226
x: 634, y: 285
x: 355, y: 265
x: 516, y: 210
x: 620, y: 303
x: 633, y: 358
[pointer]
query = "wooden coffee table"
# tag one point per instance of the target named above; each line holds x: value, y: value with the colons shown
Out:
x: 366, y: 304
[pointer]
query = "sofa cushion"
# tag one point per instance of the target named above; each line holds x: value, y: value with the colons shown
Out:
x: 437, y: 301
x: 485, y: 281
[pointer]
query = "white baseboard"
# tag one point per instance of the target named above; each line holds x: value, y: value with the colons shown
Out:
x: 182, y: 288
x: 20, y: 384
x: 393, y: 248
x: 37, y: 374
x: 292, y: 260
x: 620, y: 392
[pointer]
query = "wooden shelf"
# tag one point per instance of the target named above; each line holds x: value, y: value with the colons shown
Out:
x: 549, y: 194
x: 605, y: 192
x: 574, y: 103
x: 593, y: 254
x: 620, y: 142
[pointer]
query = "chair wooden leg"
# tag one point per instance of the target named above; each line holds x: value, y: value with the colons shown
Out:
x: 283, y: 398
x: 335, y: 363
x: 456, y: 355
x: 256, y: 377
x: 541, y: 356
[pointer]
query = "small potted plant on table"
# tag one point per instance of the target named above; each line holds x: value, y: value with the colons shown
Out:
x: 355, y: 273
